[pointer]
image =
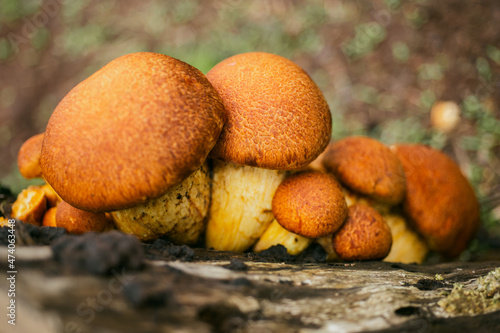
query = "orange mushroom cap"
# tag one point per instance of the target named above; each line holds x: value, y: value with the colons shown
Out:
x: 310, y: 204
x: 439, y: 200
x: 277, y: 116
x: 141, y: 124
x: 364, y: 236
x: 366, y: 166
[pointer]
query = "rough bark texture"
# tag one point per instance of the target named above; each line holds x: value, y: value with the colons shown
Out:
x: 176, y: 288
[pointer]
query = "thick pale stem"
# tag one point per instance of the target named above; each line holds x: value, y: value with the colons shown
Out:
x: 275, y: 234
x: 407, y: 246
x: 241, y: 208
x: 179, y: 214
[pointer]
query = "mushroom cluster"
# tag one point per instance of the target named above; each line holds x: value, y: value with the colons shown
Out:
x: 403, y: 201
x: 151, y: 146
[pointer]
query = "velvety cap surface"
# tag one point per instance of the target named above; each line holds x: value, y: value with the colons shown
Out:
x: 141, y: 124
x: 439, y: 200
x: 277, y: 116
x: 364, y: 236
x: 366, y: 166
x: 310, y: 204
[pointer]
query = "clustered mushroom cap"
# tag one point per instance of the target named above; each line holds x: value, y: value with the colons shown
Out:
x: 364, y: 236
x: 277, y: 116
x: 28, y: 158
x: 141, y: 124
x: 310, y: 204
x: 439, y: 200
x: 366, y: 166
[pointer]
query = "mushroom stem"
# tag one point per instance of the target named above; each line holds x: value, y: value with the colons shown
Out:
x: 241, y: 208
x: 275, y: 234
x: 178, y: 214
x: 407, y: 246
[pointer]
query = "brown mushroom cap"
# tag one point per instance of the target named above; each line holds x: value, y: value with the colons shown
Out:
x: 364, y: 236
x: 139, y: 125
x: 439, y: 200
x: 277, y: 116
x: 78, y: 221
x: 310, y: 204
x: 28, y: 158
x: 366, y: 166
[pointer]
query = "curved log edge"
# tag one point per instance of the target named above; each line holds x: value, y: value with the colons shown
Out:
x: 230, y: 292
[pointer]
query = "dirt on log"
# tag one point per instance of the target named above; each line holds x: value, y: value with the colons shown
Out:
x: 110, y: 282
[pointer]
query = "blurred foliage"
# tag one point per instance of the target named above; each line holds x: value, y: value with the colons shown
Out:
x: 381, y: 64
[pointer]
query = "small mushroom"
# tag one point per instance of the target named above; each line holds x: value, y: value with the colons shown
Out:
x: 127, y: 135
x: 364, y: 235
x: 368, y: 167
x: 278, y: 120
x: 445, y: 115
x: 307, y: 204
x: 28, y: 157
x: 440, y: 202
x: 30, y: 205
x: 407, y: 245
x: 77, y: 221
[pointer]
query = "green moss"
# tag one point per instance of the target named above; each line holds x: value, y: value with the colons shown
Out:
x: 481, y: 296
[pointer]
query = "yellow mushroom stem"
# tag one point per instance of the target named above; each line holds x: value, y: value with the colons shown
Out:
x: 407, y: 246
x: 179, y: 214
x: 275, y: 234
x: 241, y: 208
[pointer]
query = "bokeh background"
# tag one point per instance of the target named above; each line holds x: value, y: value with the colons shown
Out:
x: 381, y: 64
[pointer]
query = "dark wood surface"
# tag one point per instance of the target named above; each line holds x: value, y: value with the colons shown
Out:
x: 229, y: 292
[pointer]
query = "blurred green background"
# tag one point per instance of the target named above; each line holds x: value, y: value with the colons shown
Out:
x: 381, y: 64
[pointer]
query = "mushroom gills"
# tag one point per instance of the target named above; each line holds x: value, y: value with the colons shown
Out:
x: 241, y: 208
x: 179, y: 214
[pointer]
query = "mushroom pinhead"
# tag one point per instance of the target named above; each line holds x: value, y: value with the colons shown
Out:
x: 439, y: 201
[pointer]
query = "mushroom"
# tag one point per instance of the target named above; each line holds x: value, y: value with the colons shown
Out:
x: 28, y: 157
x: 439, y: 201
x: 364, y: 235
x: 122, y: 139
x: 445, y: 116
x: 77, y: 221
x: 307, y: 204
x: 278, y: 120
x: 49, y: 218
x: 374, y: 176
x: 368, y: 167
x: 30, y: 205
